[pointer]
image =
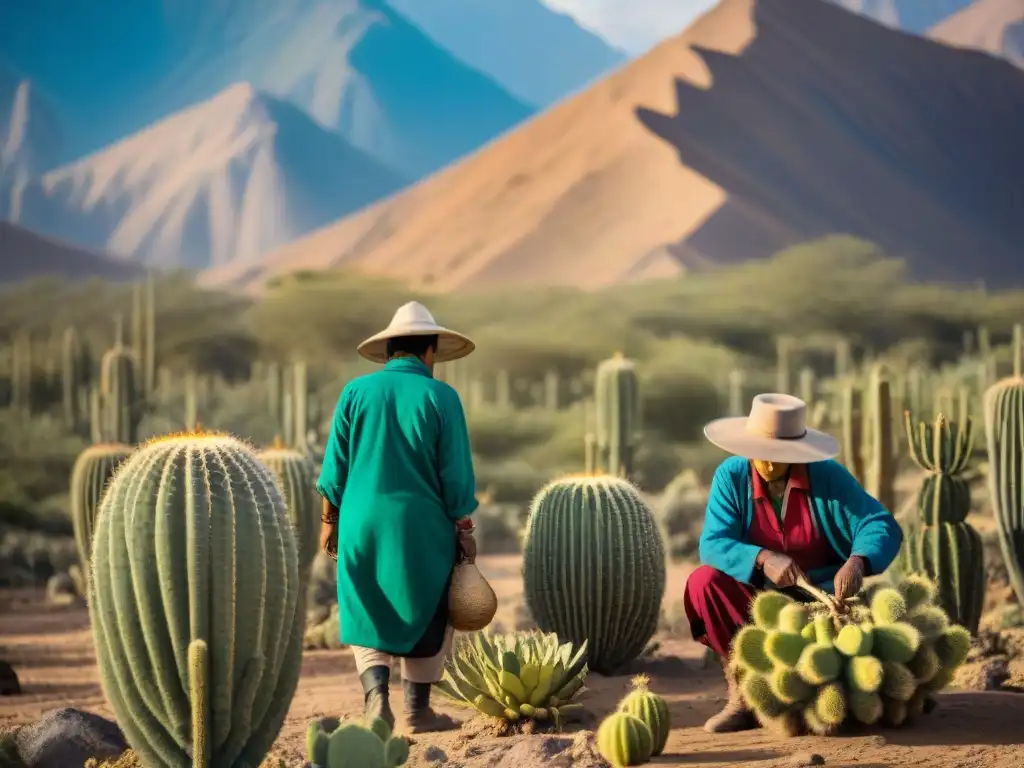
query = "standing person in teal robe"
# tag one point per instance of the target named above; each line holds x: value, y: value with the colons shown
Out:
x: 398, y: 490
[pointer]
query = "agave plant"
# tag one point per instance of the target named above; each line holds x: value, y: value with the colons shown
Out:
x: 518, y: 677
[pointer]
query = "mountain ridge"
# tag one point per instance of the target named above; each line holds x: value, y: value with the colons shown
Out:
x: 787, y: 131
x: 228, y: 179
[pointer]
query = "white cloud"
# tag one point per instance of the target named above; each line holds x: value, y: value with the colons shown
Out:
x: 634, y: 25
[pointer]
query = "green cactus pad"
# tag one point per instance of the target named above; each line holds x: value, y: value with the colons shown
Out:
x: 816, y: 725
x: 354, y: 746
x: 943, y: 678
x: 824, y: 629
x: 896, y: 642
x: 766, y: 608
x: 757, y: 692
x: 930, y: 620
x: 317, y: 738
x: 953, y: 647
x: 866, y: 708
x: 864, y: 674
x: 852, y: 641
x: 894, y: 712
x: 819, y: 664
x: 749, y: 649
x: 917, y: 590
x: 808, y: 633
x: 888, y: 606
x: 783, y: 648
x: 830, y: 704
x: 396, y: 752
x: 898, y: 682
x: 925, y: 665
x: 793, y: 618
x: 789, y: 687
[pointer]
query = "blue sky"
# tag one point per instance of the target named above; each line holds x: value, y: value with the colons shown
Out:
x: 634, y: 25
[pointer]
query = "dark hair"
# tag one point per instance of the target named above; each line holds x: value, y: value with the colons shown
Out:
x: 412, y: 345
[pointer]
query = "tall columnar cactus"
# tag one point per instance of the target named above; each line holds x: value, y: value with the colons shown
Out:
x: 1004, y: 429
x: 296, y: 476
x: 618, y: 414
x: 21, y: 372
x: 195, y: 603
x: 939, y: 543
x: 868, y: 448
x: 89, y: 478
x: 594, y: 567
x: 300, y: 403
x: 120, y: 405
x: 70, y: 378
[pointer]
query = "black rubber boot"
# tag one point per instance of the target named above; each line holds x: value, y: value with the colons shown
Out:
x: 376, y: 702
x: 419, y: 715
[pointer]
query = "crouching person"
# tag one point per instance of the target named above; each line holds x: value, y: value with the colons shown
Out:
x: 780, y: 509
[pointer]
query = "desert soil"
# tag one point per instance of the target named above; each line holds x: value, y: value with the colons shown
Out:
x: 51, y: 649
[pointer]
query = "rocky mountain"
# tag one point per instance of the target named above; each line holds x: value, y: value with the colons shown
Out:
x: 29, y: 138
x: 25, y: 255
x: 765, y: 124
x: 417, y: 83
x: 225, y: 181
x: 994, y: 26
x: 916, y: 16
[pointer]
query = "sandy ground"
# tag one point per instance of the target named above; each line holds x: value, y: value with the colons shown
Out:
x: 51, y: 649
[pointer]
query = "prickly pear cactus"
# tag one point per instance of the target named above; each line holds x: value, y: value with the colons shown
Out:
x: 330, y: 744
x: 815, y: 671
x: 1004, y: 429
x: 195, y: 603
x: 593, y: 555
x: 939, y: 543
x: 618, y: 412
x: 296, y: 475
x: 89, y: 478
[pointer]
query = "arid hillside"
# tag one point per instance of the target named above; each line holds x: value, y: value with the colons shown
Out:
x: 25, y: 255
x: 766, y: 123
x: 993, y: 26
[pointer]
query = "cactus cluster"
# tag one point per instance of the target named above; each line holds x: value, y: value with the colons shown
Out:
x: 939, y: 543
x: 333, y: 744
x: 651, y: 709
x: 518, y: 677
x: 194, y: 601
x: 593, y: 554
x: 814, y: 671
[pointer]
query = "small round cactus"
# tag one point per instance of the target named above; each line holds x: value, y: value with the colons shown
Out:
x: 651, y: 709
x: 624, y: 740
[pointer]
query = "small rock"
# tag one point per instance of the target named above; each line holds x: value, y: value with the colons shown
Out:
x: 434, y: 754
x: 9, y: 684
x: 801, y: 759
x: 67, y: 737
x: 60, y: 590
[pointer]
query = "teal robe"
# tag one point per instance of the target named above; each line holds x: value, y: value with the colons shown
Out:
x: 399, y: 469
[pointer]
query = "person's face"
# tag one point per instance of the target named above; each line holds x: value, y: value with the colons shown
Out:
x: 770, y: 470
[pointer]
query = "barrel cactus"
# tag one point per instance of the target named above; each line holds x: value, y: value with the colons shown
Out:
x: 89, y: 477
x: 594, y: 567
x: 617, y: 408
x: 1004, y: 428
x: 939, y: 543
x: 296, y: 475
x: 195, y: 602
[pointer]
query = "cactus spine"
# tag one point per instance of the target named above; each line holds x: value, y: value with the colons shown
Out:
x: 193, y: 548
x: 89, y: 478
x: 617, y: 403
x: 593, y: 556
x: 296, y: 476
x: 1004, y: 428
x: 940, y: 544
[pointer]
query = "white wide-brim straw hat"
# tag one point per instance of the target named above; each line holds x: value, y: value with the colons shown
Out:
x: 775, y: 430
x: 413, y: 319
